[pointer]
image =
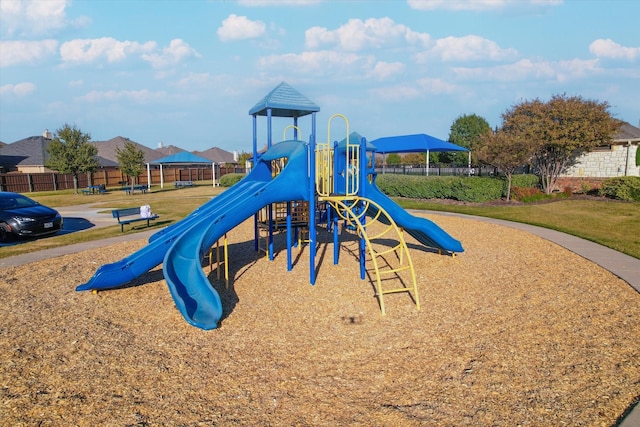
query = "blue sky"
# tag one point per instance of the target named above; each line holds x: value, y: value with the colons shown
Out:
x: 186, y: 73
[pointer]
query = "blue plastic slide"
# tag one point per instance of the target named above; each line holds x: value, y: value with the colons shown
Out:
x: 423, y: 230
x: 181, y: 246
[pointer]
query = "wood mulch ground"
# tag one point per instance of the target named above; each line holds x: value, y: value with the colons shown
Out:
x: 514, y: 331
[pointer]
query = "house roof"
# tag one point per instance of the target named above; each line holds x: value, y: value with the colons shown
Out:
x: 217, y: 155
x: 31, y: 151
x: 626, y: 133
x: 169, y: 150
x: 284, y: 101
x: 108, y: 149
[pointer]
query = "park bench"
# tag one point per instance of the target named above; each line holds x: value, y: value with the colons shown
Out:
x: 182, y: 184
x: 130, y: 215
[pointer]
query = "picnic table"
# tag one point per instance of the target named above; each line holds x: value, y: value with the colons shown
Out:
x: 129, y: 190
x: 93, y: 189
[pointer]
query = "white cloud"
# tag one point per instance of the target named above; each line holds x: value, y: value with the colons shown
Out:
x: 84, y: 51
x: 265, y: 3
x: 467, y: 48
x: 194, y: 79
x: 400, y: 93
x: 25, y: 52
x: 607, y: 48
x: 436, y: 86
x: 240, y: 28
x: 526, y: 69
x: 137, y: 96
x: 477, y: 5
x: 385, y: 70
x: 35, y: 17
x: 20, y: 89
x: 173, y: 54
x: 356, y: 35
x: 323, y: 62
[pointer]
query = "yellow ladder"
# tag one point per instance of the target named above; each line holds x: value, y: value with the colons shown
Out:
x: 345, y: 207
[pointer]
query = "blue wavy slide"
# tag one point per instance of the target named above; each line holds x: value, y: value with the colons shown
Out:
x: 423, y: 230
x: 182, y: 245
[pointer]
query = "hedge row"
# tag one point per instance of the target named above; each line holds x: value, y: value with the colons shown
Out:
x: 621, y: 188
x: 231, y: 178
x: 476, y: 188
x: 466, y: 189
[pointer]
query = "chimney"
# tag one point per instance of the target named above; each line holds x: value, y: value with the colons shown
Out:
x: 235, y: 155
x: 160, y: 144
x: 47, y: 134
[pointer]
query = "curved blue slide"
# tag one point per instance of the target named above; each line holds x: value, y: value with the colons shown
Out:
x: 181, y: 246
x: 426, y: 232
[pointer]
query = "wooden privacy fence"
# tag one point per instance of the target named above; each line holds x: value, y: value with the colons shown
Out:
x: 52, y: 181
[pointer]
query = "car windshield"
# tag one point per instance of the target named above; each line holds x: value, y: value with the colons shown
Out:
x: 16, y: 202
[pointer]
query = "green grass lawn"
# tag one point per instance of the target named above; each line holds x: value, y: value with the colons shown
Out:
x: 607, y: 222
x: 610, y: 223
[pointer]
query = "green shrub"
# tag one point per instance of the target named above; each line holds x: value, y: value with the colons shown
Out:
x: 525, y: 181
x: 231, y: 178
x: 467, y: 189
x: 621, y: 188
x: 477, y: 189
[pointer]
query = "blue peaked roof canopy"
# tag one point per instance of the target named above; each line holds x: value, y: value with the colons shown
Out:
x: 354, y: 138
x: 184, y: 157
x: 413, y: 144
x: 284, y: 101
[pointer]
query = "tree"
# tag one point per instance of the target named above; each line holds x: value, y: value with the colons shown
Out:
x: 70, y: 152
x: 505, y: 152
x: 243, y: 157
x: 393, y: 159
x: 559, y: 131
x: 131, y: 160
x: 466, y: 131
x: 415, y: 159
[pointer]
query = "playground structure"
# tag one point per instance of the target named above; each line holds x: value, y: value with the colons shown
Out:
x: 294, y: 186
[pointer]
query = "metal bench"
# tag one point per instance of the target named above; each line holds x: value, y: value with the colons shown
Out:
x: 122, y: 215
x: 182, y: 184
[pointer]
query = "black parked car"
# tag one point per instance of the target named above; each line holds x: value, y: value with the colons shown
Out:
x: 22, y: 216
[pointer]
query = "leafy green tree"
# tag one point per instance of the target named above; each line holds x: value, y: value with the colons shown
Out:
x: 131, y: 160
x: 559, y: 131
x: 466, y: 131
x: 415, y: 159
x: 393, y: 159
x: 505, y: 152
x: 243, y: 157
x: 70, y: 152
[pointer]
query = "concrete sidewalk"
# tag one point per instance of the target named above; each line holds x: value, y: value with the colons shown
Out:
x: 623, y: 266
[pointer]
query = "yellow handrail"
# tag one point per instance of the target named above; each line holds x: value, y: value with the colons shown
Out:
x: 345, y: 209
x: 284, y: 133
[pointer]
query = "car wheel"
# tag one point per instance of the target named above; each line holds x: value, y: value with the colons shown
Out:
x: 5, y: 234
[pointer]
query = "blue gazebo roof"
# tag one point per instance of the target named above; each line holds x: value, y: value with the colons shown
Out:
x: 414, y: 144
x: 184, y: 157
x: 284, y: 101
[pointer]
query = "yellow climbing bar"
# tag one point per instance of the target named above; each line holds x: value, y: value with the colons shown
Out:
x: 353, y: 210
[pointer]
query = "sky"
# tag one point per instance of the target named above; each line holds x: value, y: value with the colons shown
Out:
x: 186, y: 73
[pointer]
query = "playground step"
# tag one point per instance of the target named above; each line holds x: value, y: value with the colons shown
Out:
x: 353, y: 210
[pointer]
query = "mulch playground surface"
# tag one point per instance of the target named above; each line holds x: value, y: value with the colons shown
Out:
x: 514, y: 331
